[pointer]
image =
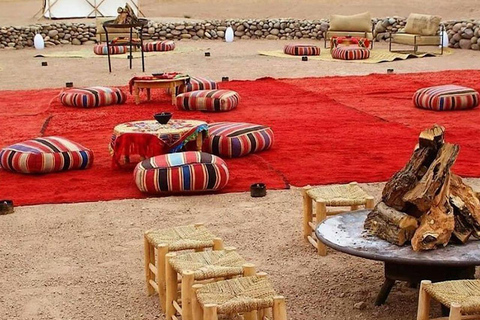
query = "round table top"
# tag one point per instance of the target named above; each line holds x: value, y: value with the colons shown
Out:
x: 174, y: 126
x: 345, y: 233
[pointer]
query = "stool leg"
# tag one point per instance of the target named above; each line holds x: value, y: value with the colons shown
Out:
x: 210, y: 312
x: 218, y: 244
x: 279, y: 308
x: 248, y: 269
x: 162, y: 251
x: 455, y: 313
x: 148, y: 94
x: 251, y: 315
x: 307, y: 213
x: 423, y: 312
x: 370, y: 203
x: 354, y: 207
x: 321, y: 214
x: 171, y: 287
x: 148, y: 273
x: 196, y: 307
x: 187, y: 283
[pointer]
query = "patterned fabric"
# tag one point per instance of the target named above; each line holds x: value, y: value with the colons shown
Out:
x: 167, y: 45
x: 189, y: 171
x: 361, y: 42
x: 301, y: 50
x: 447, y: 97
x: 208, y: 100
x: 236, y: 139
x: 195, y: 83
x: 350, y: 53
x: 92, y: 97
x: 102, y: 49
x: 44, y: 155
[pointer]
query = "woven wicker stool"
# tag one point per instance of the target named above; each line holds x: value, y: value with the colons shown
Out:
x: 253, y: 296
x: 199, y: 266
x: 348, y: 195
x: 461, y: 296
x: 195, y: 237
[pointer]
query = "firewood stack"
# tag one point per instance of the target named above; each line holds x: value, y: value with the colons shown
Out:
x: 126, y: 15
x: 425, y: 203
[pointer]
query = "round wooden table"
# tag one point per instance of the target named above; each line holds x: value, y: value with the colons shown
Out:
x: 345, y: 233
x: 148, y: 138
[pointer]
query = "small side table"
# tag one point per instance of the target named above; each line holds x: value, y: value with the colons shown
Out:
x: 139, y: 26
x: 157, y: 83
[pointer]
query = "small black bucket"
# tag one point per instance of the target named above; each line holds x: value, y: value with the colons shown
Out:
x: 258, y: 190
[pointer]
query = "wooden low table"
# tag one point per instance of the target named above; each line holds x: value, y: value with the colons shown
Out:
x: 157, y: 83
x: 345, y: 233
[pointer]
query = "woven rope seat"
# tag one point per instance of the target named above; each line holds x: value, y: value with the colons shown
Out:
x: 181, y: 238
x: 238, y: 295
x: 209, y: 264
x: 340, y: 195
x: 464, y: 292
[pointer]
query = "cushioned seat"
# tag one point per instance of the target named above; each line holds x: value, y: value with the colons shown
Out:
x: 167, y: 45
x: 236, y: 139
x: 350, y: 53
x: 208, y: 100
x: 446, y: 97
x: 196, y: 83
x: 181, y: 172
x: 92, y: 97
x: 357, y: 25
x: 44, y: 155
x: 102, y: 49
x: 301, y: 50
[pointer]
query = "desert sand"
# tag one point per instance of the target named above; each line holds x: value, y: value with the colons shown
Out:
x: 85, y: 260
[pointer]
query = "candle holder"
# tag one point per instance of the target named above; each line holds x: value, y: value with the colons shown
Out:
x: 390, y: 71
x: 163, y: 117
x: 6, y: 207
x: 44, y: 63
x: 225, y: 79
x: 207, y: 54
x: 258, y: 190
x: 304, y: 58
x: 69, y: 84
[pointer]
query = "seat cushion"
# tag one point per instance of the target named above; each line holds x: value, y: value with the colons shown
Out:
x: 195, y: 83
x: 44, y: 155
x: 350, y: 53
x: 167, y: 45
x: 208, y: 100
x: 301, y: 50
x: 414, y: 39
x: 423, y: 24
x: 356, y: 22
x: 447, y: 97
x: 189, y: 171
x: 92, y: 97
x: 357, y: 34
x: 102, y: 49
x: 237, y: 139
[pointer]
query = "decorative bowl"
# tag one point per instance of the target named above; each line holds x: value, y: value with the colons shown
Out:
x: 163, y: 117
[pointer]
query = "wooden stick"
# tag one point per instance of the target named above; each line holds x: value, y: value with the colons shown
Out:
x: 307, y: 213
x: 210, y: 312
x: 423, y: 312
x: 187, y: 283
x: 455, y: 313
x: 196, y: 307
x: 279, y: 308
x: 162, y: 251
x: 248, y: 269
x: 369, y: 203
x: 171, y: 286
x: 321, y: 214
x: 148, y: 273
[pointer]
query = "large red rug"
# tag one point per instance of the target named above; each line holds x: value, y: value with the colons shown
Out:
x: 327, y: 130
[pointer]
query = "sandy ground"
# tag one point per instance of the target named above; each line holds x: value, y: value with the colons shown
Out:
x: 85, y: 261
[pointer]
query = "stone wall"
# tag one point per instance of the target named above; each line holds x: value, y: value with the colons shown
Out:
x: 462, y: 34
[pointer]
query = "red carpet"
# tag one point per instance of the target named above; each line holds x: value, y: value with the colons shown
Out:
x: 327, y: 130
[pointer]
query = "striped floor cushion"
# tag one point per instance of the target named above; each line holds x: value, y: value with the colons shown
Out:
x: 208, y: 100
x: 301, y: 50
x: 44, y: 155
x: 189, y: 171
x: 350, y: 53
x: 196, y: 83
x: 92, y: 97
x: 236, y: 139
x: 102, y: 49
x: 167, y: 45
x: 447, y: 97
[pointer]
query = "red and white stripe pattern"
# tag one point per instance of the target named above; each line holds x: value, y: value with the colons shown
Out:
x: 180, y: 172
x: 92, y: 97
x: 236, y: 139
x: 166, y: 45
x: 208, y: 100
x: 350, y: 53
x: 301, y: 50
x: 44, y: 155
x: 446, y: 97
x: 102, y: 49
x: 196, y: 83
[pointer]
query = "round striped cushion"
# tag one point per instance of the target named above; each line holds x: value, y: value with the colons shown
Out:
x: 189, y: 171
x: 447, y: 97
x: 47, y: 154
x: 236, y: 139
x: 102, y: 49
x: 208, y: 100
x: 301, y: 50
x: 196, y: 83
x: 92, y: 97
x: 167, y: 45
x: 350, y: 53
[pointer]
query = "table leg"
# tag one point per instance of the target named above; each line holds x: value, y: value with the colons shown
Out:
x: 148, y: 94
x: 384, y: 291
x: 136, y: 93
x: 199, y: 141
x: 173, y: 88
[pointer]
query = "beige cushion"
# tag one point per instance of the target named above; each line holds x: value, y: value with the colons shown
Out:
x: 423, y: 24
x: 356, y: 22
x: 412, y: 39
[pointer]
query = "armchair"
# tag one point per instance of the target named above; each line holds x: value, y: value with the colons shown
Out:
x: 358, y: 26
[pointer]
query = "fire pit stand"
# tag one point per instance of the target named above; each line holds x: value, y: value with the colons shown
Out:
x: 345, y: 233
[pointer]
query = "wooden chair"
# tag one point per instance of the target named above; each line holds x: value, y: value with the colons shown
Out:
x: 461, y: 296
x: 348, y: 195
x: 195, y: 267
x: 357, y: 25
x: 252, y: 296
x: 160, y: 242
